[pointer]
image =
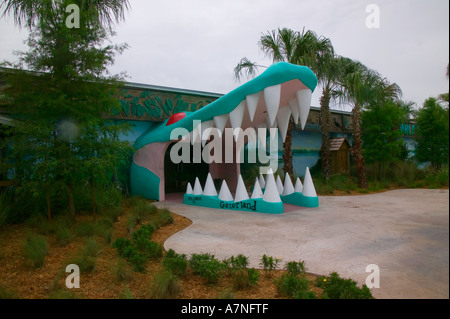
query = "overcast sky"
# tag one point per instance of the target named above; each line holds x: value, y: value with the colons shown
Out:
x: 195, y: 44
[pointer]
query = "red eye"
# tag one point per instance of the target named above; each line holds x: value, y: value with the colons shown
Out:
x: 175, y: 118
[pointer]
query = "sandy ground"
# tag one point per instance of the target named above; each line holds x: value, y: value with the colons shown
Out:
x: 404, y: 232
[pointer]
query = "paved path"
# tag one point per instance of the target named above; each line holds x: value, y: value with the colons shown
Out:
x: 404, y: 232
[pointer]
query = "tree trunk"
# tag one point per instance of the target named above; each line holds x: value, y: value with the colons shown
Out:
x: 357, y: 148
x: 326, y: 147
x: 71, y: 203
x: 287, y: 146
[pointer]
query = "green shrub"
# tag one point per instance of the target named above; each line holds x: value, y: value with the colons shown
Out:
x: 176, y: 263
x: 165, y: 285
x: 206, y: 266
x: 138, y: 260
x: 145, y: 232
x: 436, y: 178
x: 121, y: 244
x: 151, y: 249
x: 335, y: 287
x: 245, y: 278
x: 295, y: 268
x: 128, y: 250
x: 238, y: 262
x: 35, y: 249
x: 269, y: 263
x: 140, y: 249
x: 306, y: 294
x: 291, y: 286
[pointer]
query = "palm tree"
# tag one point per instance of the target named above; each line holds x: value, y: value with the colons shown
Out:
x: 304, y: 48
x: 27, y: 12
x: 361, y: 86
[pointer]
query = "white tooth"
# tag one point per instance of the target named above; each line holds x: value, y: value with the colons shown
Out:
x: 304, y: 103
x: 271, y: 192
x: 237, y: 115
x: 257, y: 192
x: 308, y: 185
x: 262, y: 182
x: 225, y: 193
x: 206, y: 131
x: 197, y: 187
x: 288, y: 188
x: 262, y: 134
x: 236, y: 132
x: 252, y: 104
x: 269, y: 125
x: 241, y: 191
x: 272, y: 96
x: 284, y: 114
x: 210, y: 189
x: 221, y: 122
x: 279, y: 185
x: 189, y: 189
x: 298, y: 186
x: 294, y: 109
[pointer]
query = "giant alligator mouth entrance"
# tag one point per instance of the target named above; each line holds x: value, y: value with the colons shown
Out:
x: 265, y: 103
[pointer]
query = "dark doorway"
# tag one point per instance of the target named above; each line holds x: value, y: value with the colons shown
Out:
x: 176, y: 176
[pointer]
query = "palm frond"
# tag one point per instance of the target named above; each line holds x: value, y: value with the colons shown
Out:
x: 248, y: 67
x: 270, y: 45
x: 27, y: 12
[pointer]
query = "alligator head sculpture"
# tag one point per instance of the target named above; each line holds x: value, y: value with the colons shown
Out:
x: 270, y: 99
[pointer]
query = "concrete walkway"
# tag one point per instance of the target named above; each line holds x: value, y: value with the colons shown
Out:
x: 404, y: 232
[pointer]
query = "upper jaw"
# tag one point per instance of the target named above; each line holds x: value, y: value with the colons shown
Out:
x: 267, y: 101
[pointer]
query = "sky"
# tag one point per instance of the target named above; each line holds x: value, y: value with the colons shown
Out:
x: 196, y: 44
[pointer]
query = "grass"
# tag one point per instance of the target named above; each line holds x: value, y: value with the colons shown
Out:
x: 35, y: 249
x: 122, y: 272
x: 86, y: 258
x: 165, y: 285
x: 6, y: 293
x: 164, y: 274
